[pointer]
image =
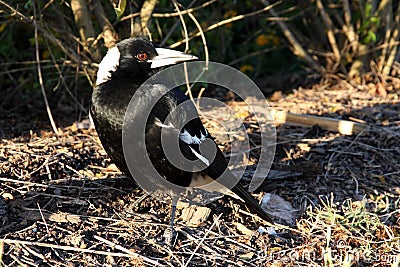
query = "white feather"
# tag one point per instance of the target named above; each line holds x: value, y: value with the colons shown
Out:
x: 189, y: 139
x: 108, y: 65
x: 200, y: 157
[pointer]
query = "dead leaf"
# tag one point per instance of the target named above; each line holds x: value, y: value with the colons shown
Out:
x: 64, y: 217
x: 243, y: 229
x: 112, y: 168
x: 279, y: 208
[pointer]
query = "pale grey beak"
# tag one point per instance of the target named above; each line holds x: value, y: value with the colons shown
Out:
x: 168, y: 57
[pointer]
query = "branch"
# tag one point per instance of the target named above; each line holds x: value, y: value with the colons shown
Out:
x: 183, y: 26
x: 393, y: 49
x: 296, y: 47
x: 348, y: 27
x: 226, y: 21
x: 139, y: 25
x: 39, y: 70
x: 384, y: 11
x: 68, y: 51
x: 85, y: 25
x: 81, y: 250
x: 169, y: 15
x: 330, y: 28
x: 203, y: 38
x: 145, y: 14
x: 342, y: 126
x: 109, y: 35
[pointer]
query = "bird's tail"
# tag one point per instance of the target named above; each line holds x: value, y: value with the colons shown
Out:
x: 251, y: 202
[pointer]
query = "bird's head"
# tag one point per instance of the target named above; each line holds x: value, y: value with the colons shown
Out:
x: 137, y: 58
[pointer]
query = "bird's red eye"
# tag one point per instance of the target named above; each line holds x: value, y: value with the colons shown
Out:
x: 142, y: 56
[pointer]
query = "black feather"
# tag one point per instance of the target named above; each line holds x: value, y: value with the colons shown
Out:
x: 110, y: 101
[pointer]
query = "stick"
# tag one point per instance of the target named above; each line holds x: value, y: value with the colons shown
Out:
x: 49, y: 114
x: 342, y: 126
x: 121, y: 248
x: 200, y: 243
x: 82, y: 250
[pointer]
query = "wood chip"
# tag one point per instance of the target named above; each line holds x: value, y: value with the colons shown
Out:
x: 195, y: 216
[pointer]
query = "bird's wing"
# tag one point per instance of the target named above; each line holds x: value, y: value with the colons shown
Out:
x: 192, y: 136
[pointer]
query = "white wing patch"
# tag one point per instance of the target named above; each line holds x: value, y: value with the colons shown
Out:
x: 188, y: 139
x: 200, y: 157
x: 108, y: 65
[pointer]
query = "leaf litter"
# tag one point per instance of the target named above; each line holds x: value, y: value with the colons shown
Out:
x: 64, y: 203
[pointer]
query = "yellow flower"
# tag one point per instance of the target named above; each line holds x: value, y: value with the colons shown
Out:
x: 3, y: 26
x: 262, y: 40
x: 230, y: 14
x: 247, y: 68
x: 46, y: 54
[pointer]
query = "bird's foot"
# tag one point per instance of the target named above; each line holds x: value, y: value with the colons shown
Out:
x: 170, y: 237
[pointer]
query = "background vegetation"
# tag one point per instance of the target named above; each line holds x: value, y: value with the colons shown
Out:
x: 49, y: 50
x: 63, y: 202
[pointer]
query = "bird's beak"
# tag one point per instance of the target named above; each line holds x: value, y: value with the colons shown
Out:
x: 168, y: 57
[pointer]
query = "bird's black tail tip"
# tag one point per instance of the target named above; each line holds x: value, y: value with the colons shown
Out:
x: 251, y: 203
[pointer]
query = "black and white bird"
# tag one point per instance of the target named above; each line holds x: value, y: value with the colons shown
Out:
x: 121, y: 72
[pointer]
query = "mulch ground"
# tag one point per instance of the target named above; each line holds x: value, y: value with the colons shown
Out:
x: 63, y: 202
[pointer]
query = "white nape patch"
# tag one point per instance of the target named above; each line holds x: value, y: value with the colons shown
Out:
x: 200, y: 157
x: 108, y: 65
x: 188, y: 139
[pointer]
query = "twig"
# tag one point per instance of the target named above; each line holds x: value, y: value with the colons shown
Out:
x: 330, y: 34
x: 385, y: 12
x: 348, y: 27
x: 202, y: 239
x: 121, y: 248
x: 109, y: 35
x: 68, y: 248
x: 186, y: 11
x: 174, y: 26
x: 39, y: 70
x: 44, y: 220
x: 23, y: 264
x: 196, y: 240
x: 183, y: 26
x: 169, y: 15
x: 189, y: 91
x: 253, y: 54
x: 31, y: 251
x: 297, y: 49
x: 71, y: 54
x: 226, y: 21
x: 203, y: 38
x: 61, y: 77
x: 342, y: 126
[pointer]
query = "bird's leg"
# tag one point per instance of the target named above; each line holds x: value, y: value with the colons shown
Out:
x: 169, y: 234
